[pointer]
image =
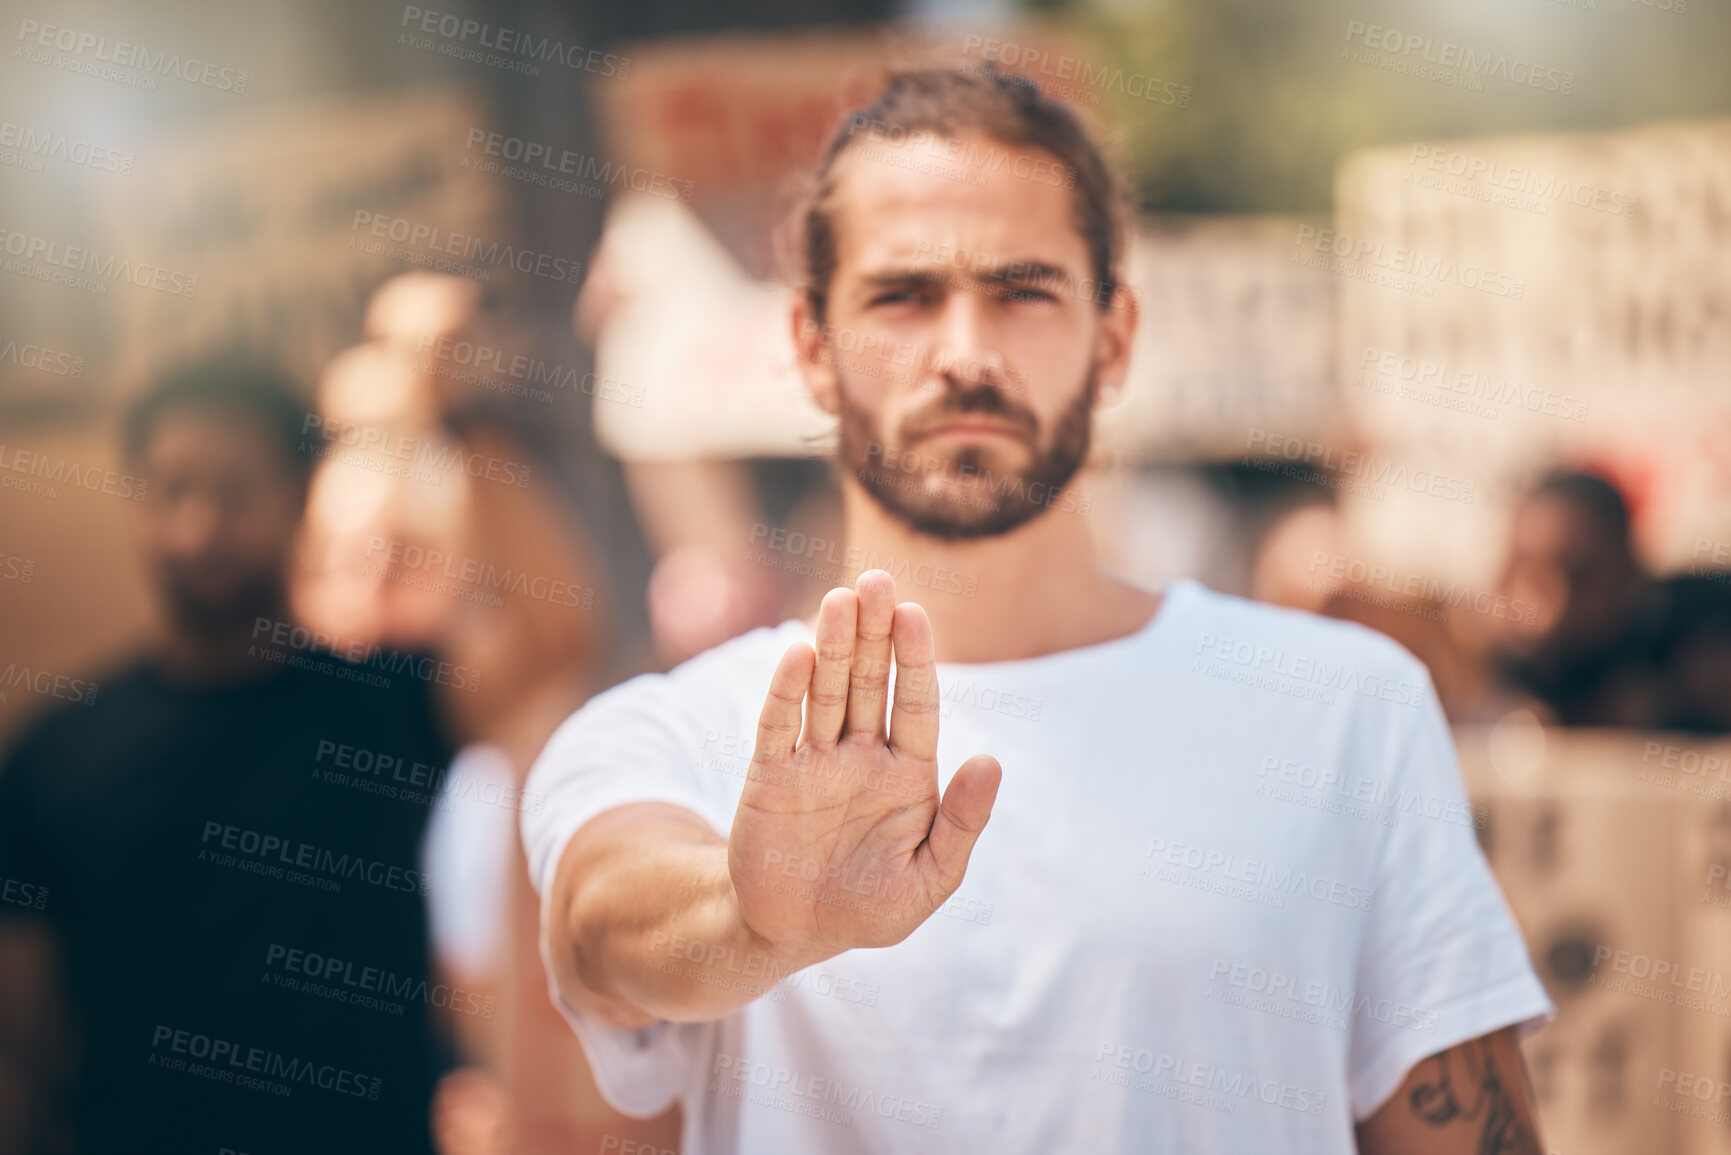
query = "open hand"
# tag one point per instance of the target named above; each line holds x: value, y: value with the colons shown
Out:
x: 840, y: 839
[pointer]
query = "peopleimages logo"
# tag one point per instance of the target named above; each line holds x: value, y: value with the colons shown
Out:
x: 433, y: 451
x: 368, y: 655
x: 39, y: 144
x: 1231, y: 1087
x: 511, y: 48
x: 1694, y: 980
x: 544, y: 165
x: 274, y: 849
x: 397, y: 776
x: 1064, y: 68
x: 486, y: 362
x: 1686, y: 761
x: 1367, y: 255
x: 369, y: 987
x: 1436, y: 378
x: 56, y: 255
x: 1476, y: 63
x: 1282, y: 778
x: 1345, y: 574
x: 406, y: 561
x: 62, y: 470
x: 42, y: 359
x: 804, y: 1094
x: 444, y: 242
x: 124, y: 54
x: 48, y: 684
x: 1520, y: 179
x: 1312, y: 670
x: 964, y: 155
x: 779, y: 543
x: 1257, y: 872
x: 916, y: 468
x: 1274, y: 992
x: 1703, y: 1087
x: 1364, y: 468
x: 35, y: 896
x: 230, y: 1062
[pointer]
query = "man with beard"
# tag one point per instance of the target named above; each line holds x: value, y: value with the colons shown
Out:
x: 1228, y: 898
x: 1611, y: 645
x: 230, y: 915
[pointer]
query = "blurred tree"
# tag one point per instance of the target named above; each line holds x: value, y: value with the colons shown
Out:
x: 1275, y: 104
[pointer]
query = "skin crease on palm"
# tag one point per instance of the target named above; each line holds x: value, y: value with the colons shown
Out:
x: 830, y: 783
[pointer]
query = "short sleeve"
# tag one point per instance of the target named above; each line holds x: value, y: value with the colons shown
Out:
x: 1442, y: 960
x: 637, y: 742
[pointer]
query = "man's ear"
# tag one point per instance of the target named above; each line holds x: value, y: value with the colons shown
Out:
x: 1112, y: 348
x: 814, y: 355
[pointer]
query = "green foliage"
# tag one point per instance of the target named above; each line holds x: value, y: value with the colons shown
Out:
x: 1276, y: 100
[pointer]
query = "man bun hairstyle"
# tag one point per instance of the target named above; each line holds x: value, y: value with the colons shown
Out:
x: 1006, y: 108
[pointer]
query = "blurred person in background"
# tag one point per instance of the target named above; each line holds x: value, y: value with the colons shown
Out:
x: 1611, y: 645
x: 432, y: 528
x: 697, y: 515
x: 756, y: 906
x: 234, y: 908
x: 1303, y: 560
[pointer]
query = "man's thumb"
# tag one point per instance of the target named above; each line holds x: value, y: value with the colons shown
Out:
x: 962, y: 814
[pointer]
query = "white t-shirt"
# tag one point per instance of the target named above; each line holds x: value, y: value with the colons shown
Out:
x: 467, y: 858
x: 1229, y: 895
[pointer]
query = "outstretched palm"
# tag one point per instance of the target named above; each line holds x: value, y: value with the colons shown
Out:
x: 840, y: 839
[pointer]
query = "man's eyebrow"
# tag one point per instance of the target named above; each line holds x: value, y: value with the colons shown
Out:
x: 890, y: 277
x: 1008, y: 273
x: 1023, y: 272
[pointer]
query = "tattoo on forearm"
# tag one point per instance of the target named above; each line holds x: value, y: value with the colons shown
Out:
x: 1465, y: 1085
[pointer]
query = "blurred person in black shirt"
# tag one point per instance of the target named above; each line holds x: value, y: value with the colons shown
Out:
x: 225, y: 892
x: 1611, y: 645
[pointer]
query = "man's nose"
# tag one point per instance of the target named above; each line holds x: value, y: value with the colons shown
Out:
x: 194, y: 524
x: 967, y: 347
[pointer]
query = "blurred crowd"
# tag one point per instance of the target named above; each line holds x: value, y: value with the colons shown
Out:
x: 1576, y: 631
x: 282, y: 847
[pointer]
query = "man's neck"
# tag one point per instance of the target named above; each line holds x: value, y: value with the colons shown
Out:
x: 214, y: 659
x: 1036, y: 590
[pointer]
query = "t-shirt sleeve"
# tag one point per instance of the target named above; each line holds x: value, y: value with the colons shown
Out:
x: 637, y: 742
x: 1442, y: 960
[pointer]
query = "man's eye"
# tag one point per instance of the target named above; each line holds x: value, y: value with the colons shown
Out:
x: 1026, y: 294
x: 898, y: 297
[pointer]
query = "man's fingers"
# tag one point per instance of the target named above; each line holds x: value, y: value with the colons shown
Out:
x: 778, y: 725
x: 869, y: 677
x: 826, y: 701
x: 914, y: 718
x: 962, y: 814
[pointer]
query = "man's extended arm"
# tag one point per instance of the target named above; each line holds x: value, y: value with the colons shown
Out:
x: 655, y: 916
x: 632, y: 883
x: 1472, y: 1099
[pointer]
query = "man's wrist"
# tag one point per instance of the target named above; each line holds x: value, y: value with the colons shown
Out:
x: 778, y: 957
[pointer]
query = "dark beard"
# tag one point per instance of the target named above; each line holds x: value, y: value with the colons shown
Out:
x: 202, y: 616
x: 1000, y: 502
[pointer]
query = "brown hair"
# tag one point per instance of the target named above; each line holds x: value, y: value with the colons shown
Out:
x: 1005, y: 107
